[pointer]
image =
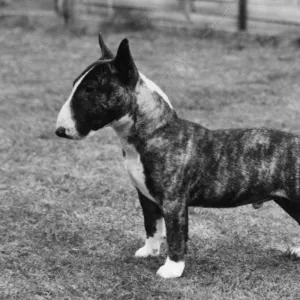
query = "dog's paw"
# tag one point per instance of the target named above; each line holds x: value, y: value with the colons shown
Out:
x: 171, y: 269
x: 146, y: 251
x: 294, y: 251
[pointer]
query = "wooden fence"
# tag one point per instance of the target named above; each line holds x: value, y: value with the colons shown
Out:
x: 264, y: 16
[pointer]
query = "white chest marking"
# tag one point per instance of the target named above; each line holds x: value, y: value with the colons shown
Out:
x: 135, y: 170
x: 155, y: 88
x: 132, y: 162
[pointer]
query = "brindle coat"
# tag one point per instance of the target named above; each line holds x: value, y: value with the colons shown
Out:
x: 179, y: 163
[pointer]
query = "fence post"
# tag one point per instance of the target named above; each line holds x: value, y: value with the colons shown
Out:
x: 66, y: 10
x: 242, y: 16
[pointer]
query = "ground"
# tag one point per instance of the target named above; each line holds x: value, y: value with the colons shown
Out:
x: 70, y: 221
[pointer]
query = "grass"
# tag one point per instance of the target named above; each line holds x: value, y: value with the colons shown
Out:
x: 69, y: 217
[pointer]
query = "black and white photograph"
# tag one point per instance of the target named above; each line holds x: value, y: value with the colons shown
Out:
x: 150, y: 149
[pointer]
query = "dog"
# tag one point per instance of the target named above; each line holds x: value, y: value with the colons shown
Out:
x: 174, y: 163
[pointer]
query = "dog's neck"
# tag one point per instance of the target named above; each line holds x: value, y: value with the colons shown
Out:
x: 150, y: 111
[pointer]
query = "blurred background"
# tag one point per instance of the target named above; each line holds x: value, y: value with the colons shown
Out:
x: 256, y: 16
x: 70, y: 220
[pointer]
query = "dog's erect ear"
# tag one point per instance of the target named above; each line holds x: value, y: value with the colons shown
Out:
x: 106, y: 53
x: 125, y: 65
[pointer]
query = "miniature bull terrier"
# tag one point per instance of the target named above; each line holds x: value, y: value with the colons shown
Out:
x: 174, y: 163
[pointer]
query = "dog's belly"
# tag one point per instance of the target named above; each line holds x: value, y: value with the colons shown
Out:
x: 237, y: 198
x: 135, y: 169
x: 228, y: 202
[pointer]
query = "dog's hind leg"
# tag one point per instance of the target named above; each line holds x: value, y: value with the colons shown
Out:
x: 293, y: 209
x: 154, y: 226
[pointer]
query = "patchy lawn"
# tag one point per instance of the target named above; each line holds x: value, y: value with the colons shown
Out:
x: 70, y: 221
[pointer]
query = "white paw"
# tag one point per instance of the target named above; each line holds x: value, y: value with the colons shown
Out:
x: 146, y: 251
x: 171, y: 269
x: 151, y: 247
x: 295, y: 251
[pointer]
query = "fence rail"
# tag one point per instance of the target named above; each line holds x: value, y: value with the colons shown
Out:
x: 264, y: 16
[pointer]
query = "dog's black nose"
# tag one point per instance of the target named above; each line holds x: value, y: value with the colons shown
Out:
x: 61, y: 132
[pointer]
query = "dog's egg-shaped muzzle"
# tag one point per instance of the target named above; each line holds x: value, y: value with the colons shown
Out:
x: 65, y: 125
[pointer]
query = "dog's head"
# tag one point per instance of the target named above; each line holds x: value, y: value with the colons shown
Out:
x: 101, y: 94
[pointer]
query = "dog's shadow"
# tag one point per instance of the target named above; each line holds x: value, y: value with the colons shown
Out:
x: 222, y: 261
x: 242, y: 260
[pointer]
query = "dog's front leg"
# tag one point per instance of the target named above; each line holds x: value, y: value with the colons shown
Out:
x: 175, y: 213
x: 154, y: 226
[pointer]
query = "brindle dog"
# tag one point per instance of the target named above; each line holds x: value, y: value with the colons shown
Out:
x: 175, y: 163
